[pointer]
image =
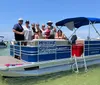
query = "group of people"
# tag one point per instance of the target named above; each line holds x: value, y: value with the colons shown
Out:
x: 27, y: 32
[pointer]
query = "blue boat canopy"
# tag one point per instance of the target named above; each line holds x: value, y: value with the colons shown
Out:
x: 77, y: 22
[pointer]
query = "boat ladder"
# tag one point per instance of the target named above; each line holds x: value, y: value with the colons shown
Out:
x: 76, y: 63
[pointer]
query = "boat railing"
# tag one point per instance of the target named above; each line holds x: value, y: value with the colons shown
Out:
x: 92, y: 48
x: 52, y: 49
x: 42, y: 49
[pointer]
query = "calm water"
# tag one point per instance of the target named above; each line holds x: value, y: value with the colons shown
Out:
x: 4, y: 52
x: 92, y: 77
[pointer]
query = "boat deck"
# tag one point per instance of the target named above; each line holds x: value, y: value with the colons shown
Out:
x: 10, y: 60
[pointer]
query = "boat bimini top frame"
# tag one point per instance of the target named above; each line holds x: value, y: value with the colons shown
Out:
x: 72, y: 23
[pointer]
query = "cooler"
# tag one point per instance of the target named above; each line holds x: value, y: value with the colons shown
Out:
x: 77, y: 50
x: 74, y: 47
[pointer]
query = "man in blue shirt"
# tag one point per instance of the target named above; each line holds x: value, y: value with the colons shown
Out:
x: 18, y: 33
x: 18, y: 30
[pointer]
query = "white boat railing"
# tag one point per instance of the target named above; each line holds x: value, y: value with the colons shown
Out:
x: 91, y: 48
x: 88, y: 46
x: 19, y: 52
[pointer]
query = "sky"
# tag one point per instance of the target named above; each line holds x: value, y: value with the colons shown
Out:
x: 40, y: 11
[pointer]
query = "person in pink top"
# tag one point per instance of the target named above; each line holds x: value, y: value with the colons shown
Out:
x: 52, y: 29
x: 47, y: 32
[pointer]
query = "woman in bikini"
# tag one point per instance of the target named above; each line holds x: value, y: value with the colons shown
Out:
x: 60, y: 35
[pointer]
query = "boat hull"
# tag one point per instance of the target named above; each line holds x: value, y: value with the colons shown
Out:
x: 51, y: 67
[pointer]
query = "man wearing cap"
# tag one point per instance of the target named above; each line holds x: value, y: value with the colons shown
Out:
x: 52, y: 30
x: 18, y: 33
x: 18, y: 30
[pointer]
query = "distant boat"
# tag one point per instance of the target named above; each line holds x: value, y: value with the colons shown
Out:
x: 2, y: 43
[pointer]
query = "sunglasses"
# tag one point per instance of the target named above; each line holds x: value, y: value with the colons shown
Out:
x: 21, y: 20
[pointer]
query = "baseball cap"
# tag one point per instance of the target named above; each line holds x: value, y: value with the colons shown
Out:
x: 20, y: 19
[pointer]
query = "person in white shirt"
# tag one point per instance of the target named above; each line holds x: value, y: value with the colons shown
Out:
x: 43, y: 29
x: 27, y: 31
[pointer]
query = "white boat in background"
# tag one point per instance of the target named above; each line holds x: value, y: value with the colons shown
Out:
x: 2, y: 43
x: 45, y: 56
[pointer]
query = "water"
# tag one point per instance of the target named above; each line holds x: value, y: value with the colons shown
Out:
x: 92, y: 77
x: 4, y: 52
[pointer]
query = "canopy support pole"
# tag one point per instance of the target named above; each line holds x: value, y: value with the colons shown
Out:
x: 95, y: 29
x: 89, y: 31
x: 59, y: 27
x: 73, y: 33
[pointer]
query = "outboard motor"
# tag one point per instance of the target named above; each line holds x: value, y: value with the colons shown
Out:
x: 73, y: 39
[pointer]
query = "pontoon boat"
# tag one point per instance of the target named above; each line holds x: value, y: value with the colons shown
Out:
x: 45, y: 56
